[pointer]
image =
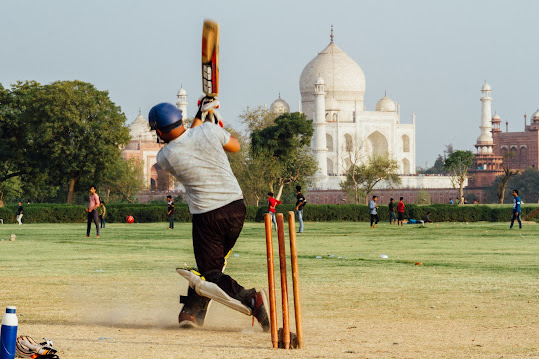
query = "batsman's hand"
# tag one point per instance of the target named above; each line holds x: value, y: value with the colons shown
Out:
x: 207, y: 110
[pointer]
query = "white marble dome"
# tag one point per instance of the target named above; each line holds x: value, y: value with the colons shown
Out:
x: 343, y: 77
x: 279, y: 106
x: 386, y: 105
x: 140, y: 129
x: 535, y: 115
x: 496, y: 117
x: 486, y: 87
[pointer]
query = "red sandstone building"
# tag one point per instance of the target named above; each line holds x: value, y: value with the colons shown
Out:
x: 523, y: 145
x: 493, y: 147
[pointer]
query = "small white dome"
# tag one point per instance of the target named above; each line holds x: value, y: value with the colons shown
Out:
x: 319, y: 81
x: 536, y: 115
x: 182, y: 92
x: 496, y: 117
x: 279, y: 106
x: 140, y: 129
x: 486, y: 87
x: 386, y: 105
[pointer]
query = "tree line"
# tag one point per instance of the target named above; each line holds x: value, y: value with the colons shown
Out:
x: 58, y: 139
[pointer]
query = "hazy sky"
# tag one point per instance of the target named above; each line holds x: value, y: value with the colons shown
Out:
x: 431, y: 56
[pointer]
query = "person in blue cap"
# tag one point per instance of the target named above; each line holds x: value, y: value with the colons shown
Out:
x: 197, y: 158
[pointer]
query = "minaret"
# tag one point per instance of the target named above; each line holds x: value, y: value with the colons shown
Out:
x: 484, y: 141
x: 486, y: 164
x: 319, y: 146
x: 182, y: 102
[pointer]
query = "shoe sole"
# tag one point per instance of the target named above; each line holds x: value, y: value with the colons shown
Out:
x: 266, y: 307
x: 187, y: 324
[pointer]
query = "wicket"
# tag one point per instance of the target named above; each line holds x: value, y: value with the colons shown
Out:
x: 284, y: 285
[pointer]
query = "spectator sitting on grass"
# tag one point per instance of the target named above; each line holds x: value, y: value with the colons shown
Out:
x: 427, y: 218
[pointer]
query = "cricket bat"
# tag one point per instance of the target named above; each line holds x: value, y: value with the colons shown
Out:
x: 210, y: 58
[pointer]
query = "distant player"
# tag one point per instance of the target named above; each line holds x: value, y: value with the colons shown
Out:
x: 373, y: 210
x: 19, y: 213
x: 272, y: 203
x: 91, y: 212
x: 516, y: 209
x: 300, y: 203
x: 197, y: 158
x: 400, y: 212
x: 170, y: 212
x: 392, y: 215
x: 102, y: 211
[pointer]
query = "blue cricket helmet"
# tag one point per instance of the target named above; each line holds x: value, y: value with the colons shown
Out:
x: 165, y: 117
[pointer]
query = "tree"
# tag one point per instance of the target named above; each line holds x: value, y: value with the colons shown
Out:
x: 438, y: 167
x: 123, y: 180
x: 352, y: 149
x: 10, y: 190
x: 527, y: 184
x: 501, y: 185
x: 370, y: 172
x: 286, y: 145
x: 457, y: 164
x: 21, y: 150
x: 257, y: 118
x: 82, y: 130
x: 53, y: 135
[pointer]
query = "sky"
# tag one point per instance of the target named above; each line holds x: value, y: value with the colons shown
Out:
x: 432, y: 57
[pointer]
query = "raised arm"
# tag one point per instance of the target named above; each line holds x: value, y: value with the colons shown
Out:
x: 233, y: 145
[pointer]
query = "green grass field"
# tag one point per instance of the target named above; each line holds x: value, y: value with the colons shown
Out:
x: 475, y: 295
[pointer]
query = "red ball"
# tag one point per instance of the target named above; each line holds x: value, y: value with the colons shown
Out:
x: 130, y: 219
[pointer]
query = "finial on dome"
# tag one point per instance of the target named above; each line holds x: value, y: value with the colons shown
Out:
x: 139, y: 111
x: 331, y: 36
x: 385, y: 93
x: 279, y: 94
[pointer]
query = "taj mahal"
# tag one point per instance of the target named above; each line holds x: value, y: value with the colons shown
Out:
x: 332, y: 87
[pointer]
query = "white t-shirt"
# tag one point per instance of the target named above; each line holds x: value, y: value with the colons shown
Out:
x: 197, y: 159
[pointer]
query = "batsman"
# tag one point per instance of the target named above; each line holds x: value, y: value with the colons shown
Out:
x: 196, y: 156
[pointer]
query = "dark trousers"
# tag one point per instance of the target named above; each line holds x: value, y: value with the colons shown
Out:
x: 171, y: 221
x: 102, y: 220
x: 374, y: 217
x: 392, y: 217
x: 92, y: 217
x: 214, y: 235
x: 516, y: 215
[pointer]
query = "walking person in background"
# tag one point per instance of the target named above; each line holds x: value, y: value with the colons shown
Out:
x: 373, y: 210
x: 300, y: 203
x: 400, y: 211
x: 392, y: 215
x: 272, y: 203
x: 516, y: 209
x: 91, y: 212
x: 170, y: 212
x: 102, y: 211
x: 19, y: 213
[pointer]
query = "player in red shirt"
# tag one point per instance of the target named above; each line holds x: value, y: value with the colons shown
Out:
x: 271, y: 207
x: 400, y: 211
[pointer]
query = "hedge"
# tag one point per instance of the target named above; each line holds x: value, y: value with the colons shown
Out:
x: 62, y: 213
